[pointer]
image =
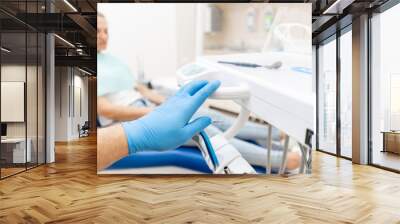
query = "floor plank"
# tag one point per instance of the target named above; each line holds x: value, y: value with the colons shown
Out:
x: 69, y: 191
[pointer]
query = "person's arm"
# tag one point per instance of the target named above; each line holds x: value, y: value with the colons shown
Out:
x: 111, y: 145
x: 166, y: 127
x: 120, y: 113
x: 149, y: 94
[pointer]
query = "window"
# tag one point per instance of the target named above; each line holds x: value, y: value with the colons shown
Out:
x: 327, y: 96
x: 385, y: 89
x: 346, y: 94
x: 23, y: 89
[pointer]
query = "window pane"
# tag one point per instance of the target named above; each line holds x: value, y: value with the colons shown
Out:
x: 31, y: 97
x: 327, y: 96
x: 22, y: 88
x: 386, y: 89
x: 346, y: 93
x: 41, y: 98
x: 13, y: 87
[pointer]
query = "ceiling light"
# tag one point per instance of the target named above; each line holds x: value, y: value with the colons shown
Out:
x: 64, y: 40
x: 84, y: 71
x: 70, y: 5
x: 337, y: 7
x: 5, y: 50
x: 79, y: 51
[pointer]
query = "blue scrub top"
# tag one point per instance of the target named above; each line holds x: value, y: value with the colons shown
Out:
x: 112, y: 75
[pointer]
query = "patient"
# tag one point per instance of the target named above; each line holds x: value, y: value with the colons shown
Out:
x: 119, y: 82
x: 122, y: 98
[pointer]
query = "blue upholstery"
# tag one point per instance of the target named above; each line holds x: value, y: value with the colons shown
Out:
x: 184, y: 156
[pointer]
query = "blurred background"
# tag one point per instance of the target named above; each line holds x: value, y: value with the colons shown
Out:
x: 177, y: 33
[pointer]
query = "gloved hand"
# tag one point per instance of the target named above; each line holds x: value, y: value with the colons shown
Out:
x: 168, y: 126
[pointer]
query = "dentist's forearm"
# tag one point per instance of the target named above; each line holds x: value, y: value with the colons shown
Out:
x: 111, y: 145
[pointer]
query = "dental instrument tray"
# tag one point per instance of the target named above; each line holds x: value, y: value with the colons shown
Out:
x: 283, y: 97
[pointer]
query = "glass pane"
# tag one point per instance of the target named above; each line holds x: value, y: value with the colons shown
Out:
x: 327, y: 96
x: 386, y: 89
x: 31, y: 97
x: 41, y: 98
x: 346, y: 94
x: 13, y: 87
x: 8, y: 23
x: 31, y: 85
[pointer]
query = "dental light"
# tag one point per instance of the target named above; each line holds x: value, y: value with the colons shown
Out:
x: 217, y: 150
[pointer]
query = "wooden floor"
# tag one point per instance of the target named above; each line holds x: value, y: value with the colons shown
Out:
x: 10, y: 171
x: 69, y: 191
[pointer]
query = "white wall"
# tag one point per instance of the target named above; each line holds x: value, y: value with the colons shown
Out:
x: 81, y: 84
x: 61, y: 103
x: 68, y: 83
x: 160, y: 36
x: 186, y: 38
x: 145, y: 32
x: 165, y: 36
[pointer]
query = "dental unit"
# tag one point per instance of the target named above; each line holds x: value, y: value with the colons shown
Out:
x: 283, y: 97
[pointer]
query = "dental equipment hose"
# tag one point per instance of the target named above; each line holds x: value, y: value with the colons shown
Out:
x: 218, y: 168
x: 210, y: 149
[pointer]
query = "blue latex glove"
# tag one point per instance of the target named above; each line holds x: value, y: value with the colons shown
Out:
x: 170, y: 125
